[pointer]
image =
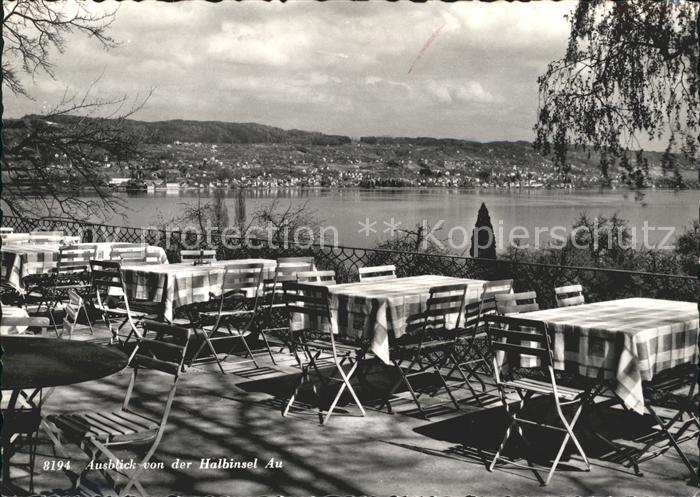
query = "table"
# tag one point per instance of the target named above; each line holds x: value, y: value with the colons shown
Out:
x: 33, y: 363
x: 22, y: 260
x: 182, y: 283
x: 377, y: 309
x: 628, y: 340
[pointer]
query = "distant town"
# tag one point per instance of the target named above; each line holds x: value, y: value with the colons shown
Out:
x: 233, y: 155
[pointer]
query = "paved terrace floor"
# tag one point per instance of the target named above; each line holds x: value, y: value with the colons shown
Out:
x: 236, y: 416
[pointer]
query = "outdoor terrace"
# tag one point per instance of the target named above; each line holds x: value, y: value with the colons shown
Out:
x: 236, y: 415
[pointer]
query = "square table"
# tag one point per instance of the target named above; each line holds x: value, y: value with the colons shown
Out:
x: 376, y: 310
x: 628, y: 340
x: 183, y: 283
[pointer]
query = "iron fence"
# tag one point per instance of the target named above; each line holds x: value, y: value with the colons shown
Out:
x: 599, y: 283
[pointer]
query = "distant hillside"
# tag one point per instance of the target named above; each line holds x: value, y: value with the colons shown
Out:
x: 208, y: 132
x: 395, y: 152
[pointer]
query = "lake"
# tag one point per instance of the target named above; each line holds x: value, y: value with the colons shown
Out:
x: 532, y: 216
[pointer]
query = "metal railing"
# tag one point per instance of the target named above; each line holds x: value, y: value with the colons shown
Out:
x: 599, y: 283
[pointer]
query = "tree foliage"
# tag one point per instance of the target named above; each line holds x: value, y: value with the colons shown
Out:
x: 483, y: 241
x: 628, y: 75
x: 50, y: 159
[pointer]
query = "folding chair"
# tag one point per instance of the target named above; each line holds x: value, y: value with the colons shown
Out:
x: 467, y: 348
x: 40, y: 237
x: 674, y: 392
x: 428, y: 344
x: 197, y: 255
x: 111, y: 300
x: 310, y: 303
x: 236, y: 313
x: 128, y: 254
x: 162, y: 349
x: 71, y: 275
x: 508, y: 304
x: 513, y: 340
x: 274, y: 326
x: 316, y: 277
x: 72, y: 309
x: 569, y: 295
x: 377, y: 273
x: 15, y: 238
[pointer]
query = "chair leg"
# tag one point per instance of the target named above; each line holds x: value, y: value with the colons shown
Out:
x: 346, y: 384
x: 269, y: 350
x: 672, y: 440
x: 302, y: 379
x: 87, y: 317
x: 444, y: 383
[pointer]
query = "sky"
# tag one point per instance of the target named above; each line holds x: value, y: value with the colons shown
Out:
x: 466, y: 70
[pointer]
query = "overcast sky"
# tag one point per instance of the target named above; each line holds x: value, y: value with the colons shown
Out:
x: 334, y: 67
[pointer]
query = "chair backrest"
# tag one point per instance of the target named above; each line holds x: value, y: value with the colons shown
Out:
x: 33, y: 323
x: 75, y: 259
x: 489, y: 292
x: 72, y: 308
x: 240, y: 282
x: 197, y: 255
x: 311, y: 301
x: 569, y: 295
x: 107, y: 276
x: 514, y: 342
x: 377, y: 273
x: 316, y: 276
x: 128, y: 254
x: 163, y: 348
x: 15, y: 238
x: 288, y: 267
x: 444, y: 303
x: 516, y: 303
x: 41, y: 233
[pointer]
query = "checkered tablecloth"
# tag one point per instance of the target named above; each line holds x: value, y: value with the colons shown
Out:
x: 22, y: 260
x: 628, y: 340
x: 376, y: 310
x: 183, y: 283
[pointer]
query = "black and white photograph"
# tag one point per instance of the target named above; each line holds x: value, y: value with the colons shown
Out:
x: 350, y: 248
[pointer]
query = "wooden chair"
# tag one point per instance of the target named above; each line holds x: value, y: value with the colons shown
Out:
x: 34, y: 324
x: 235, y: 314
x: 128, y: 254
x: 274, y: 326
x: 377, y: 273
x: 512, y: 340
x: 197, y: 255
x: 15, y: 238
x: 310, y: 304
x: 72, y: 309
x: 670, y: 399
x: 111, y: 300
x: 515, y: 303
x: 470, y: 343
x: 162, y: 351
x: 569, y: 295
x: 428, y: 344
x: 71, y: 275
x: 40, y: 237
x: 316, y: 277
